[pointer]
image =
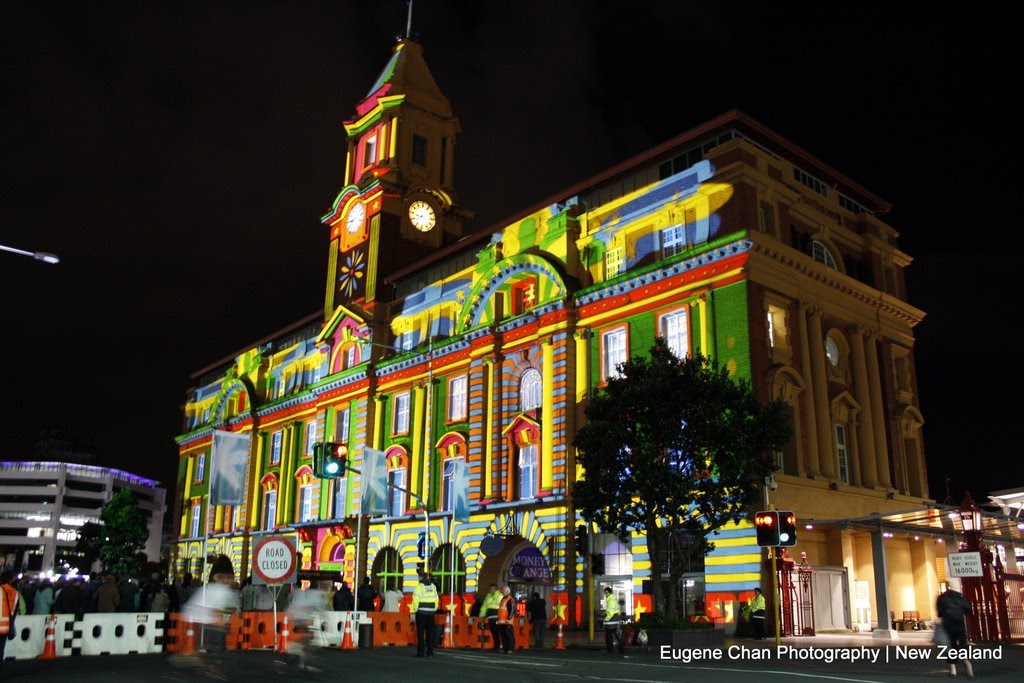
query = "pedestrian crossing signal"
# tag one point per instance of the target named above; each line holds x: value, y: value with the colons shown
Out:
x: 787, y: 528
x: 766, y: 523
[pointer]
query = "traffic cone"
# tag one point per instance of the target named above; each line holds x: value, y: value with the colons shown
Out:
x: 346, y: 639
x: 282, y: 637
x: 559, y: 641
x: 446, y: 640
x: 50, y: 647
x: 188, y: 644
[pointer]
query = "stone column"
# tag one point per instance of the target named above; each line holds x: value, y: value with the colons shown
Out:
x: 865, y: 422
x: 880, y: 424
x: 807, y: 396
x: 819, y: 385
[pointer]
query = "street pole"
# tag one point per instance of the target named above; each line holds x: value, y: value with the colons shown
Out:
x: 776, y: 603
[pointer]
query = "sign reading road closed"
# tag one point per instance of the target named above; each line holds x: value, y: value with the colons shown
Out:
x: 273, y: 561
x: 964, y: 564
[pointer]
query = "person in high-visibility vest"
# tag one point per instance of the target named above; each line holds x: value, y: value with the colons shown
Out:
x: 506, y: 609
x: 9, y: 597
x: 489, y: 611
x: 612, y: 622
x: 424, y: 606
x: 757, y: 614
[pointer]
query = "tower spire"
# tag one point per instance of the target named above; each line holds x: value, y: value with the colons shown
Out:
x: 408, y: 22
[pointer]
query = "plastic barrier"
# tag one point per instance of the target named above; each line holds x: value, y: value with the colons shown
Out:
x: 257, y: 630
x: 121, y: 633
x: 521, y: 630
x: 174, y: 632
x: 479, y: 633
x: 389, y: 628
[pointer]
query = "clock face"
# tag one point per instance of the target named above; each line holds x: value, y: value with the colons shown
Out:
x: 354, y: 223
x: 421, y: 215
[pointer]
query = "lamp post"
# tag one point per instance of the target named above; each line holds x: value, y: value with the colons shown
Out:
x: 37, y: 255
x: 979, y: 591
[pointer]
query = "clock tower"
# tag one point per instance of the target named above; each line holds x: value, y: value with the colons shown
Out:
x: 398, y: 203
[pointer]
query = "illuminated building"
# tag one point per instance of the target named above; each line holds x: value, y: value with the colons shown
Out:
x: 44, y: 504
x: 435, y: 346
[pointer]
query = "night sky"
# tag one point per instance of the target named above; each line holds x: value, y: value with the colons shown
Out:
x: 177, y: 157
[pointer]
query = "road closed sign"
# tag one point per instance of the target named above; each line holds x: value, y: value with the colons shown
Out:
x: 273, y: 561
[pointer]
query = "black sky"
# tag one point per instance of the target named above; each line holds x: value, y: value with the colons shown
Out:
x: 178, y: 158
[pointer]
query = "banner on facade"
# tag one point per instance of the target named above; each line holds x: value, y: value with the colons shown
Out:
x: 529, y: 566
x: 460, y: 490
x: 374, y: 476
x: 230, y: 456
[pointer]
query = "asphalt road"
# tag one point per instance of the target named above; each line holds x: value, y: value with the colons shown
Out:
x: 746, y: 662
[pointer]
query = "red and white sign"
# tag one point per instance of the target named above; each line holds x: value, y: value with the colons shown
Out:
x: 273, y: 561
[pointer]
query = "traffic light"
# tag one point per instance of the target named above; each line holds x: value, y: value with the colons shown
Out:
x: 787, y: 528
x: 767, y: 524
x: 581, y: 539
x: 330, y: 459
x: 597, y: 564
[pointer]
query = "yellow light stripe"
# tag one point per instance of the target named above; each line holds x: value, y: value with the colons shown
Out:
x: 731, y: 578
x: 724, y: 560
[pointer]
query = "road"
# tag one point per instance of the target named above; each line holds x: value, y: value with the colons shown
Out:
x: 745, y: 662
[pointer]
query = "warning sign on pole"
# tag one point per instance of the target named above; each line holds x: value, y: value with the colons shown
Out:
x: 273, y: 560
x: 964, y: 564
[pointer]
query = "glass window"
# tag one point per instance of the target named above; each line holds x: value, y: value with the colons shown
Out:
x: 396, y: 498
x: 672, y: 241
x: 841, y: 451
x: 821, y: 254
x: 197, y: 518
x: 401, y: 420
x: 614, y: 346
x: 675, y: 330
x: 310, y: 436
x: 530, y: 390
x: 832, y: 352
x: 275, y: 448
x: 306, y: 503
x: 200, y: 467
x: 341, y: 425
x: 613, y: 261
x: 419, y: 150
x: 270, y: 509
x: 340, y: 497
x: 527, y: 471
x: 370, y: 151
x: 457, y: 398
x: 448, y: 485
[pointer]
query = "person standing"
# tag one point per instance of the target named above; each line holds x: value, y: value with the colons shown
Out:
x: 392, y: 599
x: 612, y: 622
x: 506, y: 608
x: 44, y: 599
x: 365, y: 596
x: 424, y: 605
x: 953, y: 608
x: 343, y: 600
x: 757, y: 607
x: 537, y: 608
x: 9, y: 597
x: 489, y: 611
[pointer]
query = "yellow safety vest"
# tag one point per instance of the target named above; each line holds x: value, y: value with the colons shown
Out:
x: 611, y: 609
x: 491, y: 603
x: 424, y: 598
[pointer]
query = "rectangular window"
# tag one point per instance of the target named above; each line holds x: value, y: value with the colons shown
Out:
x: 673, y: 241
x: 676, y: 331
x: 527, y: 471
x: 457, y: 398
x: 370, y: 151
x: 341, y: 425
x: 270, y: 509
x: 396, y: 498
x: 275, y: 447
x: 614, y: 352
x: 197, y: 518
x: 843, y: 453
x: 419, y: 150
x: 524, y: 296
x: 340, y: 497
x: 350, y: 357
x: 401, y: 419
x: 613, y: 261
x: 306, y: 503
x: 447, y: 485
x: 317, y: 370
x: 200, y: 467
x: 310, y: 436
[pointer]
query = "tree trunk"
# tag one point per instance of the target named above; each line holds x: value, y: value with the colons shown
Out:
x: 655, y: 550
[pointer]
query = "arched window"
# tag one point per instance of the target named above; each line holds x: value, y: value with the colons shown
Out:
x: 387, y: 569
x: 450, y: 568
x: 821, y: 253
x: 270, y: 485
x: 527, y: 470
x: 305, y: 512
x: 530, y: 397
x: 398, y: 463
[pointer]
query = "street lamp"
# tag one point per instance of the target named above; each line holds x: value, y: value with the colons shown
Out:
x: 37, y: 255
x: 970, y: 520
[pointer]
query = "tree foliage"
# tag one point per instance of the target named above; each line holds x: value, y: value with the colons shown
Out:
x: 119, y: 540
x: 675, y: 449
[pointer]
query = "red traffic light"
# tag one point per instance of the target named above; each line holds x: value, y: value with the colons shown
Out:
x: 766, y: 524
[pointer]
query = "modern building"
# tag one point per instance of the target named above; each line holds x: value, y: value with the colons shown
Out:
x: 436, y: 345
x: 44, y: 504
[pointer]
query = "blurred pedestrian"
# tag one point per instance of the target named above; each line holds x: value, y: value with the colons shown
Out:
x: 43, y: 603
x: 537, y: 609
x: 344, y: 601
x: 365, y: 596
x: 9, y: 598
x: 506, y: 608
x: 107, y: 595
x: 953, y: 609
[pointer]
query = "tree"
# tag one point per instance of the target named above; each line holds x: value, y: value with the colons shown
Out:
x: 675, y: 449
x: 119, y: 540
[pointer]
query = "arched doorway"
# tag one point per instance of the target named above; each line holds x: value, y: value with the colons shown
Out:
x: 387, y: 570
x: 521, y: 566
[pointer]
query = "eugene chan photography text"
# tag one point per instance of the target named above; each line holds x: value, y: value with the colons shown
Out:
x: 874, y: 655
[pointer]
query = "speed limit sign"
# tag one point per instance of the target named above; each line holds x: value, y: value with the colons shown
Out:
x: 273, y: 560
